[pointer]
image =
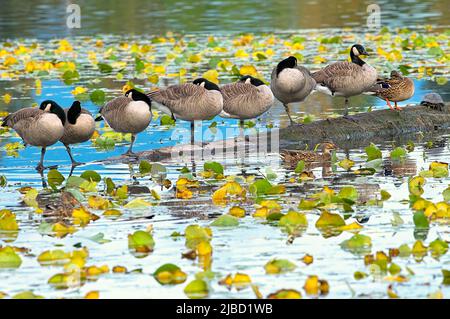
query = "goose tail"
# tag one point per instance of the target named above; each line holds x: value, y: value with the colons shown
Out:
x: 99, y: 118
x: 376, y: 88
x: 5, y: 121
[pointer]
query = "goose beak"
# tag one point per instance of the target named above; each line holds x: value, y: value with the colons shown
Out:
x: 365, y: 53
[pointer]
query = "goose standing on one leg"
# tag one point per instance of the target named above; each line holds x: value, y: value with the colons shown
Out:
x: 130, y: 113
x: 291, y: 83
x: 347, y: 78
x: 79, y: 127
x: 196, y: 101
x: 396, y: 89
x: 246, y: 99
x: 40, y: 127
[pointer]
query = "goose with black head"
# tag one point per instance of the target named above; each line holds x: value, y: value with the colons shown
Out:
x: 41, y: 127
x: 131, y: 113
x: 246, y: 99
x: 79, y: 127
x: 345, y: 78
x: 197, y: 101
x: 291, y: 83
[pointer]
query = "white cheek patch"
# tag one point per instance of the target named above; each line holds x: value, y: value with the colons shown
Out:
x: 248, y: 81
x: 130, y: 95
x: 355, y: 51
x: 202, y: 84
x: 47, y: 107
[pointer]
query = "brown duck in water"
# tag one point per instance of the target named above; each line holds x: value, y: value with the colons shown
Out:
x: 292, y: 157
x: 396, y: 89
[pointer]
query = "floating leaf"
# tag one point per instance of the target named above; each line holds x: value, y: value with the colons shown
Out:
x: 225, y: 221
x: 398, y: 153
x: 169, y: 274
x: 215, y: 167
x: 285, y: 294
x: 346, y: 164
x: 237, y: 211
x: 137, y: 203
x: 373, y: 152
x: 416, y: 185
x: 91, y: 176
x: 9, y: 258
x: 357, y: 244
x: 276, y: 266
x: 141, y: 242
x: 421, y: 221
x: 55, y: 178
x: 197, y: 289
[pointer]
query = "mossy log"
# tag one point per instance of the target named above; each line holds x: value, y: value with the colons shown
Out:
x: 411, y: 123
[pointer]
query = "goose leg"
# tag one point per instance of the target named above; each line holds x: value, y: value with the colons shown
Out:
x: 130, y: 150
x: 346, y: 116
x: 192, y: 133
x: 286, y: 107
x: 346, y: 107
x: 40, y: 166
x: 69, y: 151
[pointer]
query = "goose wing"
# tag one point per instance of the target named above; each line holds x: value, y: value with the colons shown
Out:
x: 337, y: 75
x: 23, y: 117
x: 177, y: 97
x: 239, y: 89
x: 116, y: 106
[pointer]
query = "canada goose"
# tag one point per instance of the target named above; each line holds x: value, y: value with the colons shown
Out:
x: 291, y: 82
x: 130, y: 113
x: 196, y: 101
x: 40, y: 127
x: 79, y: 127
x: 396, y: 89
x: 246, y: 99
x: 434, y: 101
x: 346, y: 78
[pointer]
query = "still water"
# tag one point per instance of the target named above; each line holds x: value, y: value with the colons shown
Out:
x: 47, y: 18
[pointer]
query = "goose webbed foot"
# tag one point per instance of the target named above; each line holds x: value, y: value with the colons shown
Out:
x: 75, y: 163
x: 41, y: 167
x: 349, y: 118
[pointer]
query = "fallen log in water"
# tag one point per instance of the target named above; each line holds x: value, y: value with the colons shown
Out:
x: 359, y: 131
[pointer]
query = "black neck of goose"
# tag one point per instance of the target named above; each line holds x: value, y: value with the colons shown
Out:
x: 356, y: 59
x: 138, y: 96
x: 288, y: 63
x: 58, y: 110
x: 73, y: 113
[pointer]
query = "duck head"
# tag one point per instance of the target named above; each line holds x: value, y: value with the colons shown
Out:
x: 288, y: 63
x: 396, y: 75
x: 206, y: 84
x: 74, y: 112
x: 53, y: 107
x: 251, y: 80
x: 136, y: 95
x: 356, y: 52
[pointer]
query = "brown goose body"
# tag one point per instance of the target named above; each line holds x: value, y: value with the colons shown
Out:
x: 189, y: 102
x: 80, y: 131
x: 245, y: 101
x: 125, y: 115
x: 35, y: 126
x: 345, y: 78
x: 291, y: 84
